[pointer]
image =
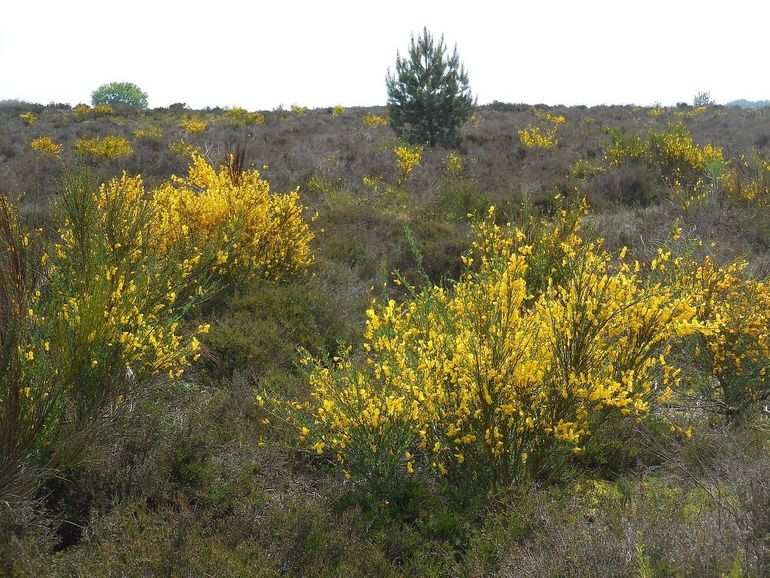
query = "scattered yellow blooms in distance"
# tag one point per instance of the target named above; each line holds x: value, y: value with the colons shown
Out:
x: 153, y: 131
x: 28, y: 117
x: 193, y: 125
x: 375, y: 120
x: 184, y: 148
x: 536, y: 137
x: 454, y: 164
x: 240, y: 117
x: 82, y: 110
x: 104, y: 109
x: 338, y: 110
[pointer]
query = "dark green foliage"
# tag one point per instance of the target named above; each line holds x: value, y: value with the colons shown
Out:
x: 120, y: 94
x: 429, y: 96
x: 702, y: 98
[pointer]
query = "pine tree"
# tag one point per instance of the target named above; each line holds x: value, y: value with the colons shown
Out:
x: 429, y: 97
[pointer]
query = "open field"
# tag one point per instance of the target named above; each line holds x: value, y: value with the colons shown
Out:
x: 227, y: 466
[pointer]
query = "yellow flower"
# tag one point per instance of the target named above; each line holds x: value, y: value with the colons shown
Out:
x: 375, y: 120
x: 108, y: 148
x: 44, y: 146
x: 192, y: 125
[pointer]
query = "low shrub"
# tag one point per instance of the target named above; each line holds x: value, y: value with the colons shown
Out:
x: 522, y: 359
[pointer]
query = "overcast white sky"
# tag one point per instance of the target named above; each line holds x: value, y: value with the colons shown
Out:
x: 263, y: 54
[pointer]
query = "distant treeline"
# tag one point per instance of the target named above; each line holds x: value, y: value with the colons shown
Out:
x: 742, y: 103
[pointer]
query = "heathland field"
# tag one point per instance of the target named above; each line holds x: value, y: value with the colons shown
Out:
x: 239, y: 343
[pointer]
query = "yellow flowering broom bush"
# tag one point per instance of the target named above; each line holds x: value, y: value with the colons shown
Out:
x: 256, y: 232
x: 672, y: 151
x: 375, y: 120
x: 407, y: 158
x: 193, y: 125
x: 104, y: 318
x: 107, y: 148
x: 45, y: 146
x: 747, y: 180
x: 733, y: 360
x: 542, y: 137
x: 545, y: 337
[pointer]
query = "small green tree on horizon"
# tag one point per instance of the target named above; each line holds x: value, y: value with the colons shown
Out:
x: 119, y: 93
x: 702, y: 98
x: 429, y: 96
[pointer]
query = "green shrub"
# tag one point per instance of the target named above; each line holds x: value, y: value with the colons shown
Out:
x: 119, y: 93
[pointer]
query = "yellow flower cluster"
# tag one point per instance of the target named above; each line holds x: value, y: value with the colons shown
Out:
x: 149, y: 132
x: 298, y: 109
x: 735, y: 356
x: 129, y: 303
x: 44, y: 146
x: 82, y: 110
x: 454, y: 164
x: 28, y: 117
x: 193, y: 125
x: 542, y: 137
x: 748, y: 180
x: 624, y: 147
x: 108, y: 148
x: 375, y: 120
x: 104, y: 109
x: 672, y: 150
x: 239, y: 117
x: 407, y: 158
x: 184, y: 148
x: 542, y: 340
x: 676, y: 153
x: 122, y: 271
x: 694, y: 113
x: 259, y: 232
x: 338, y: 110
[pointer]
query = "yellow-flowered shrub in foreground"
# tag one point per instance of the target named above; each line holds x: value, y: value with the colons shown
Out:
x: 104, y: 319
x: 544, y: 338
